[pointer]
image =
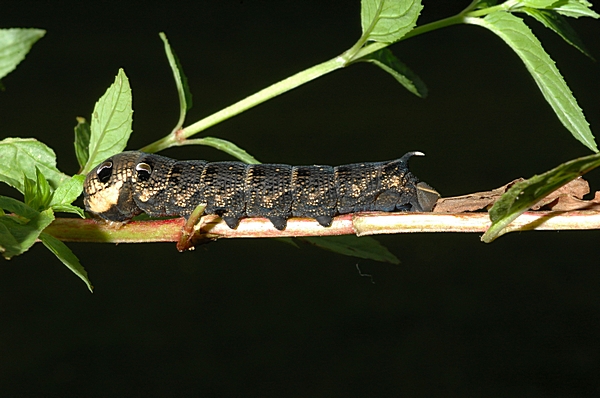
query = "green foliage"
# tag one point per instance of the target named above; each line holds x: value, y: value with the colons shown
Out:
x: 21, y: 157
x: 519, y: 37
x: 14, y: 46
x: 574, y: 8
x: 64, y: 254
x: 37, y: 193
x: 82, y: 141
x: 525, y: 194
x: 387, y: 61
x: 388, y: 20
x: 354, y: 246
x: 111, y: 122
x: 559, y: 25
x: 30, y: 166
x: 183, y: 90
x: 17, y: 235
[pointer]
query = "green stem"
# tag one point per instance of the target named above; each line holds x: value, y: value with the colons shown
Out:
x: 249, y: 102
x: 356, y: 52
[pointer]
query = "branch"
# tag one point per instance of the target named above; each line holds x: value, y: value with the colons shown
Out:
x: 360, y: 224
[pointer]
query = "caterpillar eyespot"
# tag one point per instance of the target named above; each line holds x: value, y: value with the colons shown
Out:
x: 130, y: 183
x: 104, y: 171
x: 143, y: 171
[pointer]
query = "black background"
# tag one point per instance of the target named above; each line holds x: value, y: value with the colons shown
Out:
x: 518, y: 317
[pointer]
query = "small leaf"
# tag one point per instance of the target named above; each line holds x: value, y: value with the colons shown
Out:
x: 21, y: 156
x: 485, y: 3
x: 17, y: 207
x: 536, y: 3
x: 67, y: 257
x: 8, y: 243
x: 517, y: 35
x: 111, y: 122
x: 575, y: 8
x: 14, y: 45
x: 82, y: 141
x: 363, y: 247
x: 386, y: 60
x: 37, y: 193
x: 225, y: 146
x: 68, y: 191
x: 558, y: 25
x: 24, y: 235
x: 388, y: 20
x: 64, y: 208
x: 525, y: 194
x: 183, y: 90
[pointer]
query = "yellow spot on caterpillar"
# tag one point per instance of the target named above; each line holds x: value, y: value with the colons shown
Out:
x: 103, y: 200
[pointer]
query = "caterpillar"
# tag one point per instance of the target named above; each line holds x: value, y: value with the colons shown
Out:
x: 130, y: 183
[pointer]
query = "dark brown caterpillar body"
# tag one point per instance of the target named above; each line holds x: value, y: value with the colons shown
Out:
x: 130, y: 183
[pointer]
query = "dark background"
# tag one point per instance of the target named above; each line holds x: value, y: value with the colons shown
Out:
x: 518, y: 317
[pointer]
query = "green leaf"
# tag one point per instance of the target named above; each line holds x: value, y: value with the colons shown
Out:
x: 64, y: 208
x: 111, y: 122
x: 67, y: 257
x: 183, y: 90
x: 388, y: 20
x: 225, y: 146
x: 558, y: 25
x: 24, y: 235
x: 8, y: 243
x: 386, y: 60
x: 541, y: 67
x: 525, y: 194
x: 349, y: 245
x: 536, y: 3
x: 37, y: 193
x: 21, y: 156
x: 68, y: 191
x: 575, y: 8
x: 16, y: 206
x: 14, y: 45
x: 82, y: 141
x: 485, y: 4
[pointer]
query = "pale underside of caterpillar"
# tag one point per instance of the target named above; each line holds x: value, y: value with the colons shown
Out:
x: 130, y: 183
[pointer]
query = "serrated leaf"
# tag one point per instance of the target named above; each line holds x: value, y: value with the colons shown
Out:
x: 183, y: 90
x: 519, y: 37
x: 17, y: 207
x: 37, y: 193
x: 558, y: 25
x: 15, y: 43
x: 363, y: 247
x: 68, y: 191
x: 25, y: 234
x: 111, y: 122
x: 82, y: 141
x: 575, y: 8
x: 21, y: 156
x: 388, y: 20
x: 67, y: 257
x: 64, y: 208
x: 386, y: 60
x: 525, y: 194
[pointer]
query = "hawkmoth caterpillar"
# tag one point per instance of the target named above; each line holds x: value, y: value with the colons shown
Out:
x: 130, y: 183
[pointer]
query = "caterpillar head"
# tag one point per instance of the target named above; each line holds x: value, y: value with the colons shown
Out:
x: 108, y: 188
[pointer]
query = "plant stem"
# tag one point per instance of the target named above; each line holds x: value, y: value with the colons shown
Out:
x: 357, y: 51
x: 360, y: 224
x: 255, y: 99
